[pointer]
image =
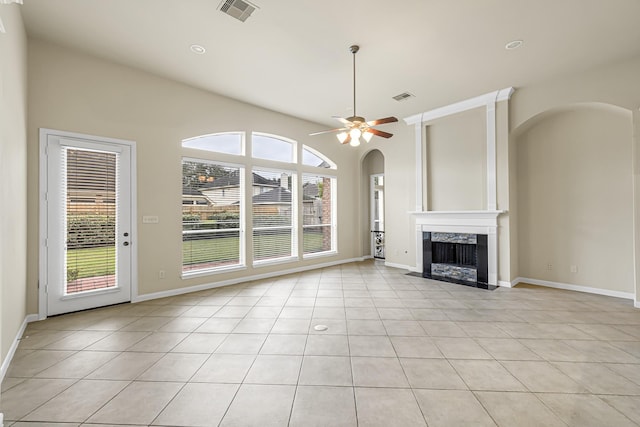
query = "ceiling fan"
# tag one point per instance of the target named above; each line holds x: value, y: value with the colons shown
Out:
x: 355, y: 126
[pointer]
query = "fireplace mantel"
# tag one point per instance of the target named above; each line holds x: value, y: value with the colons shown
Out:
x: 474, y: 222
x: 475, y: 218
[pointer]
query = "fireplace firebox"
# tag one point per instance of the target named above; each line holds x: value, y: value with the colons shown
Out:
x: 456, y: 257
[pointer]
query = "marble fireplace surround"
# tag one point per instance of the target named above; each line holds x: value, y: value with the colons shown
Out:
x: 472, y: 222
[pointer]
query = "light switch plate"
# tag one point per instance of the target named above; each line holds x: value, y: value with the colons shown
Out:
x: 150, y: 219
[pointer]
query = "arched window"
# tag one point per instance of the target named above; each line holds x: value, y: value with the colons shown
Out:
x: 271, y: 147
x: 217, y: 186
x: 225, y: 142
x: 311, y: 157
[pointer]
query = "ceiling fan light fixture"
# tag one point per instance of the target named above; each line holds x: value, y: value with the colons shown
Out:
x: 355, y: 133
x: 342, y: 137
x: 366, y: 135
x: 354, y: 142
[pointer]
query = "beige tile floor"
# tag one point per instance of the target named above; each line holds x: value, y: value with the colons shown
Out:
x: 399, y: 351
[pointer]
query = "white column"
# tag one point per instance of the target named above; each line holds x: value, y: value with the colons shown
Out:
x: 635, y: 158
x: 491, y: 157
x: 421, y: 167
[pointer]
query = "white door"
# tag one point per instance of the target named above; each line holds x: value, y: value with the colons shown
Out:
x: 87, y: 236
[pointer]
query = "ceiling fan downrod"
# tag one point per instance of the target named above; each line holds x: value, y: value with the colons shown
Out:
x: 354, y: 49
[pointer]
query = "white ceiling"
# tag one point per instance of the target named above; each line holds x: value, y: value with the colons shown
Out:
x: 292, y: 56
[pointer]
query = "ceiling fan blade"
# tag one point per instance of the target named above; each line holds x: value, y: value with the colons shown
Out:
x: 382, y: 121
x: 380, y: 133
x: 327, y: 131
x: 342, y: 119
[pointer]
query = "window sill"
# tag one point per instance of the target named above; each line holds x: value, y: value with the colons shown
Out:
x: 320, y: 255
x: 275, y: 261
x: 221, y: 270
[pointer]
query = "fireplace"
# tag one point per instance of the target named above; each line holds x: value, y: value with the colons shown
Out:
x: 478, y: 223
x: 456, y: 257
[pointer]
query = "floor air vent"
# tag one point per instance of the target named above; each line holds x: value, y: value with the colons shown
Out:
x: 239, y: 9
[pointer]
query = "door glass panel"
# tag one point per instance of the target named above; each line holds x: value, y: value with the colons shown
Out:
x: 90, y: 219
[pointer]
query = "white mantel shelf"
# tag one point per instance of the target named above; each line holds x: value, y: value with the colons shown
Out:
x: 474, y: 222
x: 457, y: 218
x: 466, y: 214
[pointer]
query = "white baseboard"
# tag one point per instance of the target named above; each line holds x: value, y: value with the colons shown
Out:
x: 14, y: 346
x: 205, y: 286
x: 505, y: 284
x: 578, y: 288
x: 636, y: 304
x: 395, y: 265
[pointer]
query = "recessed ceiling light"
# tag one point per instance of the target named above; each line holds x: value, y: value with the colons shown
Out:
x: 197, y: 49
x: 514, y: 44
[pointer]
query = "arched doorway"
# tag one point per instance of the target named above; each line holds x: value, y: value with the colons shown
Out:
x: 574, y: 203
x: 373, y: 191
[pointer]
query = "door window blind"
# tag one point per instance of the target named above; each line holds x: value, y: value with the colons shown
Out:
x: 90, y: 192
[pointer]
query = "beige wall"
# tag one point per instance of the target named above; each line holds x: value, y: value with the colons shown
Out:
x: 400, y: 186
x: 615, y: 84
x: 13, y: 175
x: 75, y: 92
x: 575, y: 204
x: 456, y: 148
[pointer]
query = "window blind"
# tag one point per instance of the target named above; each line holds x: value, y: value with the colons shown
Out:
x: 273, y: 207
x: 211, y: 215
x: 90, y: 215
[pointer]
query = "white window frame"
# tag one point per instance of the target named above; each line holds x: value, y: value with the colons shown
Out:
x: 294, y: 219
x: 242, y: 265
x: 247, y: 162
x: 334, y: 218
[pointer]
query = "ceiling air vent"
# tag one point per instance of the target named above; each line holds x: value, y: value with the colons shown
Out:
x: 239, y: 9
x: 403, y: 96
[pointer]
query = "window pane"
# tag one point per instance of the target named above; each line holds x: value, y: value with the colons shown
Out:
x: 273, y: 232
x: 316, y: 239
x: 229, y: 143
x: 312, y: 158
x: 317, y: 206
x: 211, y: 204
x: 270, y: 148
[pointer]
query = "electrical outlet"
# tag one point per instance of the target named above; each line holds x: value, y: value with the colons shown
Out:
x: 161, y: 274
x: 574, y: 268
x: 549, y: 266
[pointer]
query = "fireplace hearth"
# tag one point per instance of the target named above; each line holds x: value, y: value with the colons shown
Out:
x: 457, y: 258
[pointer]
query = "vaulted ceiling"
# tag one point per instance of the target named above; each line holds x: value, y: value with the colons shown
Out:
x: 293, y: 56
